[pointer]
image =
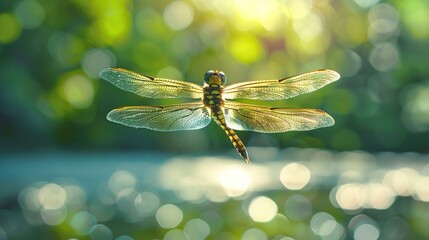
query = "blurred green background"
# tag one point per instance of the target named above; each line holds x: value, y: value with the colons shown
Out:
x: 52, y: 51
x: 53, y: 107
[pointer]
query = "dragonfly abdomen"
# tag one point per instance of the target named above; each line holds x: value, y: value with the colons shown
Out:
x: 219, y: 117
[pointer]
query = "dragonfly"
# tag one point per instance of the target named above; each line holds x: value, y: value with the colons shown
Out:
x: 215, y: 103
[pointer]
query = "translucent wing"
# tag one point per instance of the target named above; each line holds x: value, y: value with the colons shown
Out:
x: 149, y: 86
x: 248, y: 117
x: 186, y: 116
x: 281, y: 88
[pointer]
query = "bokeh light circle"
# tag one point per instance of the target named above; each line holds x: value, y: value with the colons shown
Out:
x: 262, y: 209
x: 169, y: 216
x: 295, y: 176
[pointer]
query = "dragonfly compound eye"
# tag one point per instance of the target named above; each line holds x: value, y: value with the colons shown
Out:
x: 223, y: 77
x: 208, y: 75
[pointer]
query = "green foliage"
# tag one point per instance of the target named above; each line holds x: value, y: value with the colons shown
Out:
x: 51, y: 53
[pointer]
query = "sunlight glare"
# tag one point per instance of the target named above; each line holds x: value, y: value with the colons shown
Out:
x: 349, y: 197
x: 353, y: 196
x: 401, y: 181
x: 422, y: 189
x: 298, y: 8
x: 178, y: 15
x: 191, y: 189
x: 270, y: 18
x: 295, y: 176
x: 264, y: 12
x: 262, y: 209
x: 216, y: 194
x: 235, y: 181
x: 250, y: 9
x: 169, y: 216
x: 52, y: 196
x: 309, y: 27
x: 379, y: 196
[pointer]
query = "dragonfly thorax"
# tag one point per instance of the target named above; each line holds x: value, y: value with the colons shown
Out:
x: 215, y: 77
x: 212, y: 94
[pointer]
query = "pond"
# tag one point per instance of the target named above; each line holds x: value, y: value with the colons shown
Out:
x: 282, y: 195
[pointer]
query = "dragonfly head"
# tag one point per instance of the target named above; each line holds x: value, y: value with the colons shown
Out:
x: 215, y: 77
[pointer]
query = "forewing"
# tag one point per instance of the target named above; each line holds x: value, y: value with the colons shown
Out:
x: 188, y: 116
x: 248, y: 117
x: 149, y: 86
x: 281, y: 88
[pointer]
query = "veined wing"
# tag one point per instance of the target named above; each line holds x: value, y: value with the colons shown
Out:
x: 149, y: 86
x: 240, y: 116
x: 278, y: 89
x: 187, y: 116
